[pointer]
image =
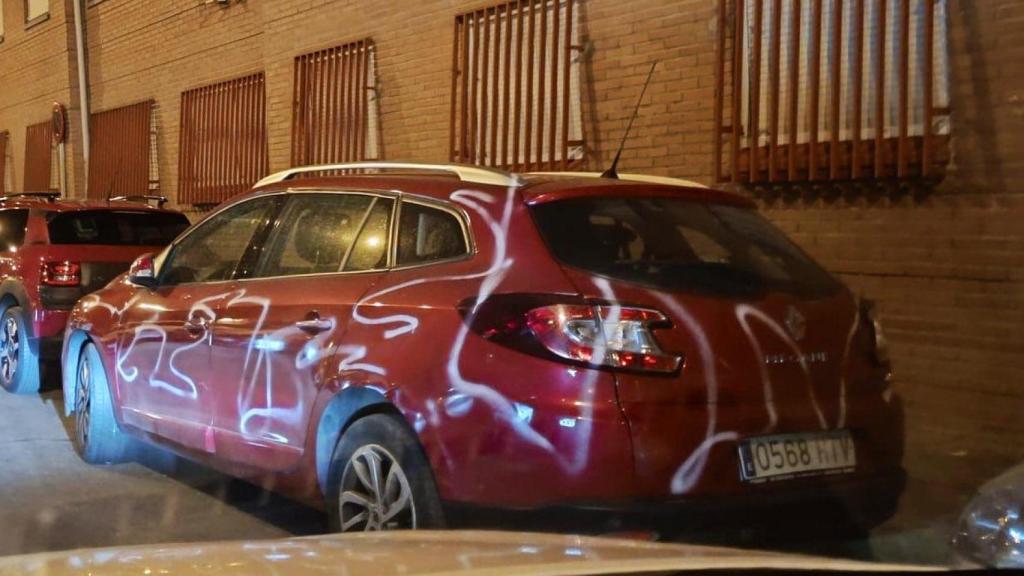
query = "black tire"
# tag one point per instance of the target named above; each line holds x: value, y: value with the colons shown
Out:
x: 388, y: 438
x: 97, y: 438
x: 19, y: 366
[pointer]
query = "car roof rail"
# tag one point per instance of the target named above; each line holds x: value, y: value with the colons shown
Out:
x: 648, y: 178
x: 160, y: 200
x: 473, y: 174
x: 49, y: 196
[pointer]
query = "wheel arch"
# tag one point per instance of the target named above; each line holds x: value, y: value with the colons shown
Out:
x: 12, y: 293
x: 341, y: 411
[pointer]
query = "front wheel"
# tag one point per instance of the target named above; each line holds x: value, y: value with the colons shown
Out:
x: 98, y: 439
x: 380, y: 480
x: 19, y: 367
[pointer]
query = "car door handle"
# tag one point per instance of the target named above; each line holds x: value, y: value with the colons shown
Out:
x: 314, y: 325
x: 196, y: 325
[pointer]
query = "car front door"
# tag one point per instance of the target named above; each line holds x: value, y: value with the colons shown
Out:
x: 163, y: 358
x: 282, y: 328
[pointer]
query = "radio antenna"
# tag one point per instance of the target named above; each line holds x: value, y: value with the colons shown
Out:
x: 611, y: 171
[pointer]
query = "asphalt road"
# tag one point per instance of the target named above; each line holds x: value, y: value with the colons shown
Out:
x: 51, y: 500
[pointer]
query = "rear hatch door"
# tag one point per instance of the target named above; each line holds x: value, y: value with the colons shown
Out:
x: 762, y: 329
x: 101, y: 244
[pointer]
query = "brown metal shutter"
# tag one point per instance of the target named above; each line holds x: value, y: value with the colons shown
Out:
x: 798, y: 97
x: 121, y: 146
x: 223, y: 144
x: 38, y: 157
x: 331, y: 113
x: 514, y: 86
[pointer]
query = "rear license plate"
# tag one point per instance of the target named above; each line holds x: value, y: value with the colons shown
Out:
x: 790, y: 455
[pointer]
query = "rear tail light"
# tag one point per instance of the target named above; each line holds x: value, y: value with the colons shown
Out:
x: 61, y: 273
x: 592, y: 334
x: 877, y: 344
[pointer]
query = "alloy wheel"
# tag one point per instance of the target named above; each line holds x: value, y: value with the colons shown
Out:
x: 83, y: 402
x: 10, y: 345
x: 375, y: 493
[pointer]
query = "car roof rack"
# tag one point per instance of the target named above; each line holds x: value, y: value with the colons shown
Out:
x: 49, y: 196
x: 473, y: 174
x: 160, y: 200
x: 648, y: 178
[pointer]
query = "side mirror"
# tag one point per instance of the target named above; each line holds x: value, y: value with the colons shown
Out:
x: 142, y: 271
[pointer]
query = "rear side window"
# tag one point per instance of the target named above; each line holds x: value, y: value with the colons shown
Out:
x: 680, y: 245
x: 12, y: 228
x: 116, y: 227
x: 427, y: 234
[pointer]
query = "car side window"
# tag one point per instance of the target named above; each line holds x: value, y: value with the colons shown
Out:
x: 427, y: 234
x: 212, y: 251
x: 12, y: 228
x: 370, y: 251
x: 315, y: 234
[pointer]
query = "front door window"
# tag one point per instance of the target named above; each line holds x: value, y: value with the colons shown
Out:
x: 212, y: 252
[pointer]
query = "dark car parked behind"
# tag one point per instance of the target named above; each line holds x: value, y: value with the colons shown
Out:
x: 52, y: 252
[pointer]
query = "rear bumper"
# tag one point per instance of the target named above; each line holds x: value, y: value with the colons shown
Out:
x: 59, y: 298
x: 877, y: 494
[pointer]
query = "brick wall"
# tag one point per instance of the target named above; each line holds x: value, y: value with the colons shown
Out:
x: 35, y: 71
x: 947, y: 268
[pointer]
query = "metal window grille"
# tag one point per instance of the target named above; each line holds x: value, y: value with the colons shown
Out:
x: 831, y: 90
x: 39, y: 160
x: 516, y: 86
x: 223, y: 142
x: 335, y: 114
x: 123, y: 151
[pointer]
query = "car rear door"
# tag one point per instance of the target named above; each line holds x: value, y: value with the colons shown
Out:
x: 278, y: 337
x: 164, y: 336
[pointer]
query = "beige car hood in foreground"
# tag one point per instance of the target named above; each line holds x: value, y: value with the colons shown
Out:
x: 413, y: 553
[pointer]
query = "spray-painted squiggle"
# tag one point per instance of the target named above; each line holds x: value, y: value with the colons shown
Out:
x: 742, y: 312
x: 130, y: 373
x: 493, y: 276
x: 93, y: 300
x: 252, y: 386
x: 689, y: 472
x: 409, y: 323
x: 843, y: 367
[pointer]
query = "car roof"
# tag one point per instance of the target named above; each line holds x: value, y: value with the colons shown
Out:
x: 535, y: 188
x: 58, y: 204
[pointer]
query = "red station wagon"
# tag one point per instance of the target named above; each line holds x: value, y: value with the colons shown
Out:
x: 52, y: 251
x: 382, y: 343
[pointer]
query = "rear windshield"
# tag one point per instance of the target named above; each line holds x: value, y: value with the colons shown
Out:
x: 116, y: 227
x: 680, y: 245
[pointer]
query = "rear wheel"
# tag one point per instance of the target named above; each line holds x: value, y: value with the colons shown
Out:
x: 19, y: 367
x: 98, y: 439
x: 380, y: 480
